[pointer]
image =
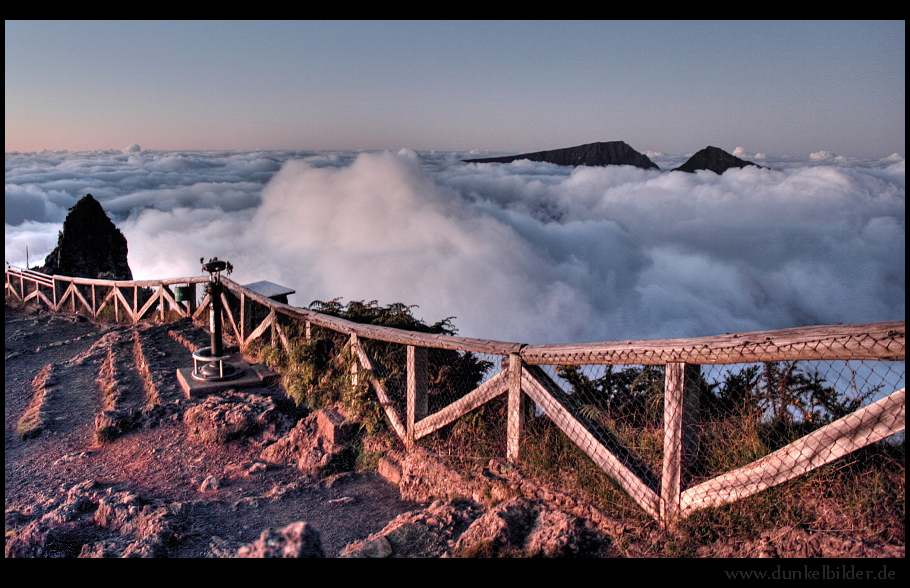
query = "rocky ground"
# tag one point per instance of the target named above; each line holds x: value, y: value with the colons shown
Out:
x: 106, y: 457
x: 189, y: 496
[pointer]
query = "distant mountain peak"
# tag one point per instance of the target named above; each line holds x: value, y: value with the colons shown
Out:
x: 713, y: 159
x: 591, y: 154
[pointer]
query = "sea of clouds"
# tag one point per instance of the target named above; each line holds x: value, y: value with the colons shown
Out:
x: 526, y: 252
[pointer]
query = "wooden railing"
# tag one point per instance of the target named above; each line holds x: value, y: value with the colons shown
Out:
x: 133, y: 300
x: 664, y: 497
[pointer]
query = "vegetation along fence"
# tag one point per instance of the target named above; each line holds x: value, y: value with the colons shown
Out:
x: 678, y: 424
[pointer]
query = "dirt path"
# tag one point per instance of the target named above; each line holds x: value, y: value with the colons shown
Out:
x: 159, y: 465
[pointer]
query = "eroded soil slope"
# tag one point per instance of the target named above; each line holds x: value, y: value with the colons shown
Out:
x: 157, y: 464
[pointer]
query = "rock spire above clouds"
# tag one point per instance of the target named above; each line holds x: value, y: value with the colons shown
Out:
x: 89, y: 246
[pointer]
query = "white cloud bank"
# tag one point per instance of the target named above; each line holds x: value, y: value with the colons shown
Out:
x: 528, y: 252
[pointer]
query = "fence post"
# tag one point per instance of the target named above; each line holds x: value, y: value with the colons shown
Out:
x: 681, y: 406
x: 355, y: 364
x: 418, y: 379
x: 245, y: 322
x: 273, y: 333
x: 56, y: 292
x: 191, y: 301
x: 516, y: 409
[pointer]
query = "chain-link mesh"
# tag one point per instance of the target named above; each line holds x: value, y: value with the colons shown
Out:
x: 759, y: 425
x: 700, y: 436
x: 747, y: 411
x: 671, y: 435
x: 462, y: 384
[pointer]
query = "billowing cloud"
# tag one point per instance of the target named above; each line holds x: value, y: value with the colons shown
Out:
x: 822, y: 156
x: 524, y: 251
x: 743, y: 154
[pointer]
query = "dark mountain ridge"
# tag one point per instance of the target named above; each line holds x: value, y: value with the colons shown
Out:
x: 713, y: 159
x: 591, y: 154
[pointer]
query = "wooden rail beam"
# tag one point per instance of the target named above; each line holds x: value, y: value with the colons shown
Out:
x: 260, y: 330
x: 487, y: 391
x: 155, y: 297
x: 364, y: 361
x: 378, y: 333
x: 417, y: 383
x: 546, y: 394
x: 877, y: 341
x: 858, y: 429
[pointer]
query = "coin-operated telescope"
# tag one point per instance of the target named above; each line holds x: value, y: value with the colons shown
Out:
x: 215, y: 367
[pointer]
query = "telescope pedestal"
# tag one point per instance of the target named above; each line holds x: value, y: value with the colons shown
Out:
x: 251, y: 375
x: 219, y: 370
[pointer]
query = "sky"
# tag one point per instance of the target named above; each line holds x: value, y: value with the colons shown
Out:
x: 780, y: 87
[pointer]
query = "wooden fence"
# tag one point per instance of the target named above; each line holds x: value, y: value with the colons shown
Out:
x: 98, y: 299
x: 249, y: 316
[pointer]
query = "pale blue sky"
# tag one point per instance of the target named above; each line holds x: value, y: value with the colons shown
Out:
x: 781, y: 88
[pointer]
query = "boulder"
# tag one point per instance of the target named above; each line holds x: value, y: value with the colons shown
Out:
x: 209, y: 484
x: 421, y: 477
x: 89, y: 246
x: 592, y: 154
x: 232, y: 415
x: 504, y: 526
x: 424, y: 533
x: 521, y: 528
x: 296, y: 540
x: 557, y: 533
x: 522, y: 519
x: 333, y: 428
x: 111, y: 424
x: 318, y: 444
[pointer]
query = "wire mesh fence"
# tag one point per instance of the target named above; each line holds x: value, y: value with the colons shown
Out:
x: 687, y: 436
